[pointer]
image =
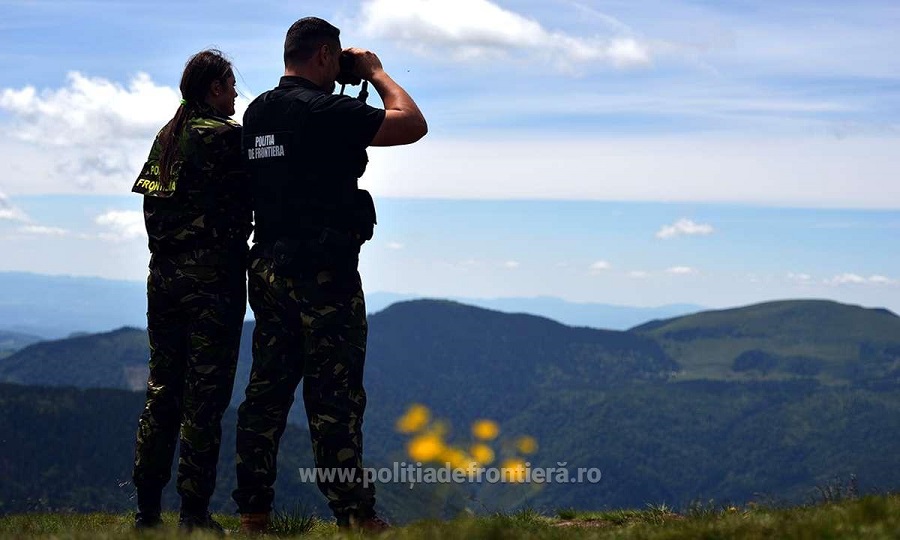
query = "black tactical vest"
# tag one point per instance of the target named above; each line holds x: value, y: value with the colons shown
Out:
x: 301, y: 182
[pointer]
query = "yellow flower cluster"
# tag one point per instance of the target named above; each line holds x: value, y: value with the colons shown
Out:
x: 427, y: 444
x: 416, y: 418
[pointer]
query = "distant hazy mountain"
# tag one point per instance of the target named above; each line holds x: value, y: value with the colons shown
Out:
x: 115, y: 359
x: 57, y: 306
x: 11, y: 342
x: 53, y: 307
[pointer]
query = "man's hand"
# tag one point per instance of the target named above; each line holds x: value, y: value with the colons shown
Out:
x: 403, y: 121
x: 366, y: 63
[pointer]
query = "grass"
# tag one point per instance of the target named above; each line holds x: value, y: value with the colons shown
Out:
x: 874, y: 517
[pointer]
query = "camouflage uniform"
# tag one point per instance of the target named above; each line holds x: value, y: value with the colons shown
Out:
x: 198, y: 225
x: 310, y: 327
x: 305, y: 150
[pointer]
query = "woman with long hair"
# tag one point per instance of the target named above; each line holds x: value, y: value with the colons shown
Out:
x: 198, y: 218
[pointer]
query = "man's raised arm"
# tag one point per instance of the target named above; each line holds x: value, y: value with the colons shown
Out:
x: 403, y: 121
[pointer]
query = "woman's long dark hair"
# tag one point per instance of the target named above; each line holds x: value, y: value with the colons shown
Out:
x: 201, y: 70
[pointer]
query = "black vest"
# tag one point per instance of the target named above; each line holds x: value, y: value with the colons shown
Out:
x: 300, y: 182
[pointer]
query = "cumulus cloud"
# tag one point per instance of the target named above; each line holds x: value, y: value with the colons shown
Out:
x: 856, y: 279
x: 90, y: 135
x: 512, y: 265
x: 600, y: 266
x: 681, y: 270
x: 395, y: 245
x: 476, y: 29
x: 684, y: 227
x: 800, y: 278
x: 42, y: 230
x: 90, y: 110
x: 638, y: 274
x: 9, y: 212
x: 122, y: 224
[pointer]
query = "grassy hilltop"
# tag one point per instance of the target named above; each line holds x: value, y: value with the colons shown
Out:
x: 870, y: 518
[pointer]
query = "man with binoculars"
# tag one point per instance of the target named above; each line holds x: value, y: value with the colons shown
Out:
x: 305, y: 149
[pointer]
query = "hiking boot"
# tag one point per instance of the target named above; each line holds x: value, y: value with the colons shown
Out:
x: 189, y: 523
x: 147, y: 520
x: 256, y: 523
x: 370, y: 524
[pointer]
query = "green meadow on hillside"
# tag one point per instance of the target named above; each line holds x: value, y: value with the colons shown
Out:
x: 871, y: 518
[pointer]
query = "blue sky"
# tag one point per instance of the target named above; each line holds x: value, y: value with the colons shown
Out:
x: 565, y: 139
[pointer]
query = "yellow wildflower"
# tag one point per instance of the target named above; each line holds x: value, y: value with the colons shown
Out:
x: 526, y: 444
x: 414, y: 420
x: 485, y: 430
x: 482, y: 453
x: 456, y: 458
x: 425, y: 447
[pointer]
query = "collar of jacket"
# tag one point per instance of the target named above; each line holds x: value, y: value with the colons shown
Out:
x: 205, y: 110
x: 289, y: 81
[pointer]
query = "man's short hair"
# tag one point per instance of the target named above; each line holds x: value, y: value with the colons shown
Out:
x: 305, y: 37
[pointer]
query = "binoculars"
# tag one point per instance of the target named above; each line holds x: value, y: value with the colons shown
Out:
x: 346, y: 76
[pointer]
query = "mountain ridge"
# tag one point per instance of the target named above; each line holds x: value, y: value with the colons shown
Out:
x: 56, y: 306
x: 623, y: 402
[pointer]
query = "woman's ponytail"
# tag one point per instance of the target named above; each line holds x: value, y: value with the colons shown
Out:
x: 200, y: 72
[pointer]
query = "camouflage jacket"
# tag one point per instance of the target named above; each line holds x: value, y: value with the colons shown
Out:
x: 206, y: 202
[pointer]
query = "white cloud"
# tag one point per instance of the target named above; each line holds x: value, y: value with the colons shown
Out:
x: 800, y: 278
x: 124, y: 225
x: 41, y: 230
x: 395, y: 245
x: 476, y: 29
x: 638, y: 274
x: 91, y: 135
x: 856, y: 279
x: 600, y: 266
x: 10, y: 212
x: 806, y: 172
x: 91, y: 110
x: 512, y: 265
x: 684, y: 227
x: 681, y: 270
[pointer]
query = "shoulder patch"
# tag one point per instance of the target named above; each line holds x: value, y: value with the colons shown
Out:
x: 149, y: 184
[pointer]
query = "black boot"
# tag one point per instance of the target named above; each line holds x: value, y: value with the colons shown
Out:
x: 147, y: 520
x: 203, y: 522
x: 367, y: 521
x: 149, y: 503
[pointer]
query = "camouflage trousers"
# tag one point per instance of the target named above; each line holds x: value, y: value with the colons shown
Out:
x: 311, y: 328
x: 195, y: 311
